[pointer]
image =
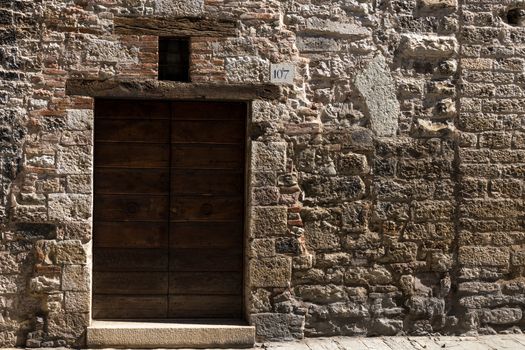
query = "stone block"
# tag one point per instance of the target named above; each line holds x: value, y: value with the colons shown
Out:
x: 287, y: 245
x: 353, y: 164
x: 473, y: 256
x: 43, y: 284
x: 317, y: 44
x: 334, y: 188
x: 75, y: 230
x: 385, y: 326
x: 377, y: 86
x: 490, y: 208
x: 8, y: 284
x: 269, y: 156
x: 70, y: 253
x: 76, y: 138
x: 400, y: 252
x: 501, y: 316
x: 248, y: 69
x: 79, y: 119
x: 321, y: 294
x: 479, y: 287
x: 44, y: 159
x: 69, y: 207
x: 270, y: 272
x: 355, y: 216
x: 272, y: 326
x: 322, y: 236
x: 264, y: 196
x: 30, y: 213
x: 316, y: 25
x: 262, y: 248
x: 75, y: 278
x: 428, y: 46
x: 259, y: 301
x: 268, y: 221
x: 436, y: 7
x: 75, y: 160
x: 376, y: 275
x: 108, y: 51
x: 77, y: 301
x: 433, y: 211
x: 9, y: 264
x: 79, y: 184
x: 67, y: 326
x: 179, y: 8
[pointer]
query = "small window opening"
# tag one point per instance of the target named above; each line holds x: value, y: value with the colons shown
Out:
x: 516, y: 17
x: 174, y: 59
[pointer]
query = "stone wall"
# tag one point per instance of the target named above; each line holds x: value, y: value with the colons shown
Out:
x: 386, y: 184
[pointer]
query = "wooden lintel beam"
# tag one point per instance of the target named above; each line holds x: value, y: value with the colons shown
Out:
x: 169, y: 90
x: 177, y: 27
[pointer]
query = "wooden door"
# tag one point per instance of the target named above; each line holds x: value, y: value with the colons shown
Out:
x: 169, y: 208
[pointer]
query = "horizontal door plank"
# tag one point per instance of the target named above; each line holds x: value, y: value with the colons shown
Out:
x: 207, y: 131
x: 206, y: 208
x: 131, y: 181
x: 129, y: 306
x: 206, y: 235
x: 134, y: 260
x: 192, y: 110
x: 130, y: 234
x: 131, y: 208
x: 132, y: 130
x: 201, y: 306
x: 130, y: 282
x: 132, y: 109
x: 202, y: 156
x: 197, y: 283
x: 205, y: 260
x: 131, y: 155
x: 209, y: 182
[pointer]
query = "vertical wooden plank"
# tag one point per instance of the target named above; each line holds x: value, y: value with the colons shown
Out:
x: 131, y: 209
x: 206, y: 210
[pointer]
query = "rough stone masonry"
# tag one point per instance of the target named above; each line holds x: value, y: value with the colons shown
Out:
x: 387, y: 184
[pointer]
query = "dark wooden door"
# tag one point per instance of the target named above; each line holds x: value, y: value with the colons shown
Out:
x: 169, y: 208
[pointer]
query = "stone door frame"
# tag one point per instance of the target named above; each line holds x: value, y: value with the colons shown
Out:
x: 159, y: 90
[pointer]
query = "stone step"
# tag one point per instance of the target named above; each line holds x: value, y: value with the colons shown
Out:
x: 170, y: 334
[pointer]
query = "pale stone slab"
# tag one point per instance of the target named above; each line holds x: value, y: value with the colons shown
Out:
x: 461, y: 344
x: 426, y: 343
x: 377, y: 86
x: 399, y: 343
x: 148, y: 335
x: 347, y: 343
x: 322, y: 344
x: 285, y: 346
x: 501, y: 343
x: 176, y: 8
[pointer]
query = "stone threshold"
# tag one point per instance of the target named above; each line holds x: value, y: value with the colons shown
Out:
x: 170, y: 334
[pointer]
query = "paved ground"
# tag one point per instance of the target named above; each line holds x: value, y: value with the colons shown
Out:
x: 499, y: 342
x: 496, y: 342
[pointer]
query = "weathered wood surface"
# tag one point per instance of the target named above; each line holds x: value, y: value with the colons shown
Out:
x: 168, y: 208
x: 206, y: 306
x: 181, y: 26
x: 130, y: 306
x: 170, y: 90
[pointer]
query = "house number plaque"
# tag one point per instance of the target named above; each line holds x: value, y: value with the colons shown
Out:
x: 282, y: 73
